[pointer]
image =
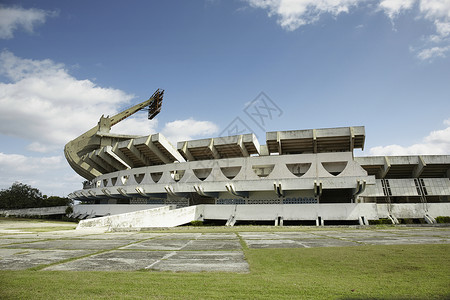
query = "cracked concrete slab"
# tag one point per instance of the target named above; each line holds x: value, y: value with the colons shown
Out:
x: 179, y: 236
x: 21, y: 259
x: 73, y: 244
x: 155, y: 244
x: 218, y: 236
x: 298, y: 243
x: 115, y: 260
x: 203, y: 261
x: 4, y: 242
x: 213, y: 245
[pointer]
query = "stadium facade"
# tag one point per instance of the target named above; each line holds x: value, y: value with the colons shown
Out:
x: 301, y: 176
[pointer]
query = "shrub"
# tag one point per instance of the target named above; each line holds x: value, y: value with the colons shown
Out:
x: 196, y: 223
x: 442, y: 219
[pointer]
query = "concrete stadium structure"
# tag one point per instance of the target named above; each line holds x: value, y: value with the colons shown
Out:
x: 297, y: 176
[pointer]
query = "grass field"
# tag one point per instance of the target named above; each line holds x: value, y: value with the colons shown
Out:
x: 365, y: 272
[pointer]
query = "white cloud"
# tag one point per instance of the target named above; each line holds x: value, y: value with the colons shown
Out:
x: 13, y: 18
x: 292, y: 14
x: 49, y: 174
x: 184, y: 130
x: 44, y: 104
x: 429, y: 53
x: 437, y: 142
x: 393, y: 8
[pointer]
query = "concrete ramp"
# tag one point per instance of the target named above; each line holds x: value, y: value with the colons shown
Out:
x: 166, y: 216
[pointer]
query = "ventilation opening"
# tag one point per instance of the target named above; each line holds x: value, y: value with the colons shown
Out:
x: 124, y: 179
x: 334, y: 168
x: 299, y: 222
x: 336, y: 196
x: 230, y: 172
x: 298, y: 169
x: 202, y: 174
x: 105, y: 182
x: 114, y: 181
x: 177, y: 175
x: 156, y: 176
x: 254, y: 222
x: 139, y: 177
x: 263, y: 170
x: 341, y: 222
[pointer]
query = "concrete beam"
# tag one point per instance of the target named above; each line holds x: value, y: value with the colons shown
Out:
x: 242, y: 146
x: 115, y: 149
x: 94, y: 155
x: 280, y: 150
x: 109, y: 150
x: 352, y: 139
x: 213, y: 149
x: 314, y: 133
x: 116, y: 165
x: 387, y: 165
x: 138, y: 155
x: 419, y: 168
x: 155, y: 150
x: 186, y: 153
x: 88, y: 160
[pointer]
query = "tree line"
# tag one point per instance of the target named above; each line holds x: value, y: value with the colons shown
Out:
x: 21, y: 195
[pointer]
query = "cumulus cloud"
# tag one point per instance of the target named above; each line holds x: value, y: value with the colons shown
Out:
x: 183, y: 130
x: 14, y: 18
x: 44, y: 104
x: 50, y: 174
x: 437, y: 142
x: 292, y: 14
x: 393, y: 8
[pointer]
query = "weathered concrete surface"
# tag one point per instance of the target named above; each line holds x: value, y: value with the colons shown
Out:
x: 165, y: 216
x: 20, y: 259
x: 201, y: 261
x: 189, y: 252
x: 111, y: 261
x: 38, y: 211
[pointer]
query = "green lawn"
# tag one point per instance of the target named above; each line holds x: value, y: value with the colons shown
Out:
x: 365, y: 272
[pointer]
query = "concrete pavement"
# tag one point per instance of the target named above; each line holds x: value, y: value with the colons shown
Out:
x: 190, y: 252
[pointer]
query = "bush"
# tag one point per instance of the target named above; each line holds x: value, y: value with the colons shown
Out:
x: 380, y: 222
x: 196, y: 223
x: 442, y: 219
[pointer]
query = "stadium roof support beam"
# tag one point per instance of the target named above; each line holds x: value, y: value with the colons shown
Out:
x: 352, y: 139
x: 314, y: 141
x: 86, y: 159
x: 91, y: 159
x: 185, y: 152
x: 385, y: 168
x: 116, y: 150
x: 213, y: 150
x: 110, y: 159
x: 155, y: 150
x: 419, y: 167
x: 137, y: 154
x: 109, y: 151
x: 241, y: 145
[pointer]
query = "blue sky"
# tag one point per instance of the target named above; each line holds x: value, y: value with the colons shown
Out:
x: 383, y: 64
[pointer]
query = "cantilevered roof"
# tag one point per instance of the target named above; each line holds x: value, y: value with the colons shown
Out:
x: 316, y: 140
x: 424, y: 166
x: 221, y: 147
x: 133, y: 153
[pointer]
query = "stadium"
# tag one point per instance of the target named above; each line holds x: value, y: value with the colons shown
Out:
x: 297, y: 177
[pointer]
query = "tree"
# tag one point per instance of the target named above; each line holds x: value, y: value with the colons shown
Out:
x: 20, y: 195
